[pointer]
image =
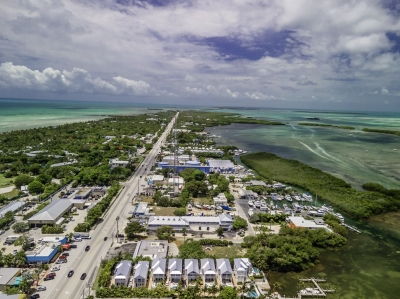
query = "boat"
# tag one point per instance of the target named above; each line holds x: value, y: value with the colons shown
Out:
x: 198, y: 206
x: 189, y: 207
x: 339, y: 216
x: 257, y: 204
x: 250, y: 212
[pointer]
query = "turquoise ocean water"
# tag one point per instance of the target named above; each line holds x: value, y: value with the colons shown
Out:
x: 369, y: 265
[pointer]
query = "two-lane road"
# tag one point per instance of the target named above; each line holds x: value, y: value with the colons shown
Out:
x: 87, y: 262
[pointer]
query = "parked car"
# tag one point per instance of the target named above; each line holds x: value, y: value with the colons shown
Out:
x: 48, y: 278
x: 65, y: 253
x: 15, y: 252
x: 51, y: 274
x: 41, y: 288
x: 87, y: 248
x: 57, y: 268
x: 73, y: 246
x: 70, y: 273
x: 83, y: 276
x: 77, y: 240
x: 34, y: 296
x: 61, y: 261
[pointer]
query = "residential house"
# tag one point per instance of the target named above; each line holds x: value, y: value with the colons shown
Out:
x: 175, y: 270
x: 140, y: 276
x: 158, y: 267
x: 242, y: 268
x: 224, y: 271
x: 191, y: 270
x: 220, y: 200
x: 122, y: 273
x: 208, y: 270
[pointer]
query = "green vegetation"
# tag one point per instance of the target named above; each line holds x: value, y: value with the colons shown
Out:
x: 7, y: 219
x: 375, y: 187
x: 5, y: 182
x: 336, y: 224
x: 215, y: 242
x: 337, y: 192
x: 94, y: 214
x: 133, y: 229
x: 292, y: 250
x: 327, y: 125
x: 20, y: 227
x: 239, y: 223
x: 47, y: 229
x: 191, y: 250
x: 39, y: 208
x: 391, y: 132
x: 164, y: 232
x: 267, y: 218
x: 159, y: 291
x: 211, y: 119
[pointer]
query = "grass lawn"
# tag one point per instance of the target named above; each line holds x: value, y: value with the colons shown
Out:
x: 232, y: 251
x: 11, y: 194
x: 203, y: 200
x: 161, y: 211
x: 5, y: 182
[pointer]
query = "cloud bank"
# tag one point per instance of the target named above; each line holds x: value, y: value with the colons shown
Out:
x: 211, y: 52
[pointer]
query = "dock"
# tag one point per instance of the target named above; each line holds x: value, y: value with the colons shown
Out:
x: 352, y: 228
x: 316, y: 292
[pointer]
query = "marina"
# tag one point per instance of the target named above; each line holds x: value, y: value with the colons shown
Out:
x: 316, y: 292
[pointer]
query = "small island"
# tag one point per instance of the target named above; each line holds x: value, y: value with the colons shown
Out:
x: 327, y: 125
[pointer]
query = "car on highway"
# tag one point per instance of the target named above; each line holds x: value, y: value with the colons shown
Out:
x: 34, y: 296
x: 70, y: 273
x: 105, y: 238
x: 83, y: 276
x: 41, y: 288
x: 87, y: 248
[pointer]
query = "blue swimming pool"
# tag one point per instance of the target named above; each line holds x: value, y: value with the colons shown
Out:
x: 256, y: 272
x: 253, y: 295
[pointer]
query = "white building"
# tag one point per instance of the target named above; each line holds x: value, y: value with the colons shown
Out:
x: 224, y: 271
x: 208, y: 270
x: 242, y: 268
x: 191, y: 270
x: 117, y: 163
x: 247, y: 194
x: 140, y: 276
x: 158, y: 268
x: 122, y: 273
x: 175, y: 270
x: 220, y: 200
x: 194, y: 223
x: 297, y: 221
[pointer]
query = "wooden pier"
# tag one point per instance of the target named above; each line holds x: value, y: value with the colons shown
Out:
x: 316, y: 292
x: 352, y: 228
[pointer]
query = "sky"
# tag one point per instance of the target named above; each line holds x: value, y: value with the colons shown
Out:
x: 341, y: 54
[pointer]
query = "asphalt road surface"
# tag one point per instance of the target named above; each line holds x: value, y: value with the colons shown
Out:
x: 87, y: 262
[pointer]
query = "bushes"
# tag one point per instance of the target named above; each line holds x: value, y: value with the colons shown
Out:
x: 94, y: 214
x: 7, y: 219
x: 337, y: 192
x: 159, y: 291
x: 57, y: 229
x: 215, y: 242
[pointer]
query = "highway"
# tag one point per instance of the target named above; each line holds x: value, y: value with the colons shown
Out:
x: 88, y: 262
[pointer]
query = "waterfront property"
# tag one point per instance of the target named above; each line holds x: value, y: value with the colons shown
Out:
x: 207, y: 268
x: 242, y: 268
x: 248, y: 194
x: 193, y: 223
x: 297, y: 221
x: 257, y: 183
x: 122, y: 273
x: 223, y: 166
x: 141, y: 272
x: 11, y: 207
x: 191, y: 270
x: 224, y: 271
x: 175, y: 270
x: 152, y: 249
x: 158, y: 270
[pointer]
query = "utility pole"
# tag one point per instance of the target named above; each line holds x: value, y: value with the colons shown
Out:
x: 117, y: 228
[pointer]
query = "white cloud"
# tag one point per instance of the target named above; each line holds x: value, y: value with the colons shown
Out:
x: 232, y: 94
x: 384, y: 90
x: 77, y: 80
x: 259, y: 96
x: 190, y: 78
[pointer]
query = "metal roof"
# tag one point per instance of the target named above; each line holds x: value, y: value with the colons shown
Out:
x: 53, y: 210
x: 224, y: 266
x: 207, y: 266
x: 141, y: 270
x: 175, y: 266
x: 242, y: 264
x: 12, y: 206
x: 220, y: 163
x: 6, y: 274
x: 158, y: 266
x: 191, y: 265
x: 123, y: 269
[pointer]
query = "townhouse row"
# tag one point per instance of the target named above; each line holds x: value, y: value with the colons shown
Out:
x: 174, y: 271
